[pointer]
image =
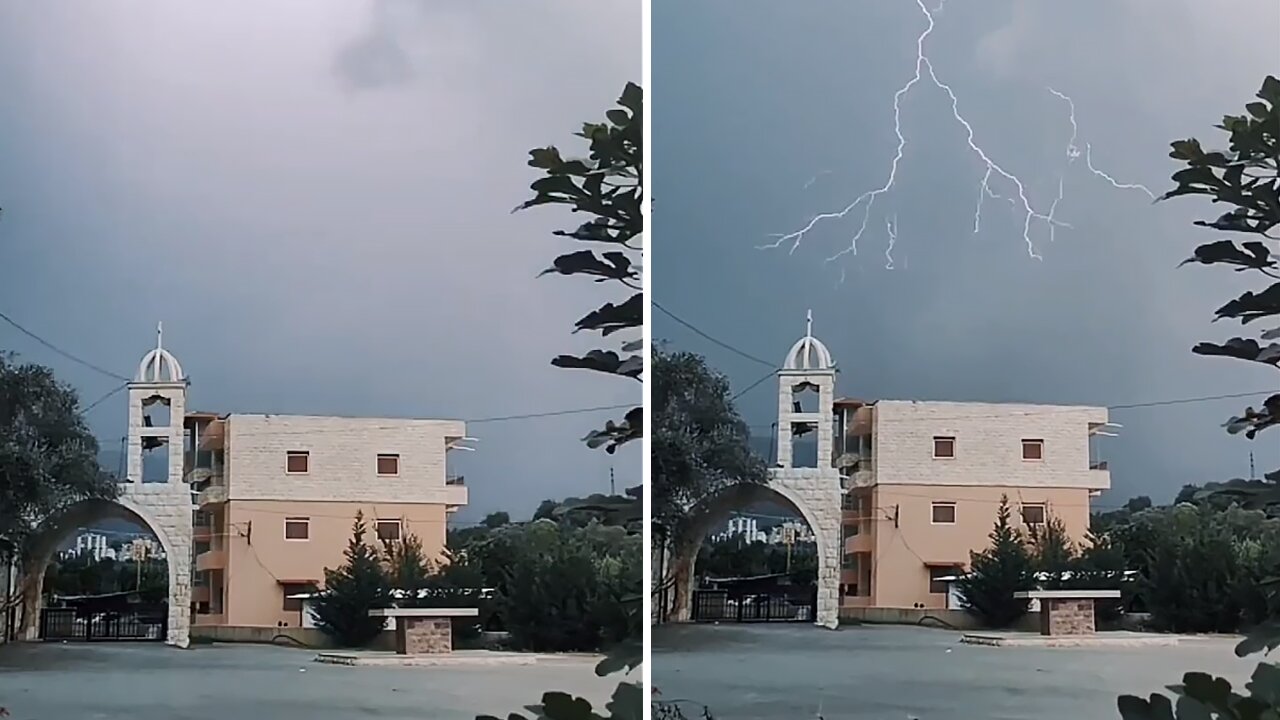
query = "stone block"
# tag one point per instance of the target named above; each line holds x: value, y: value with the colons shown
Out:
x: 424, y: 636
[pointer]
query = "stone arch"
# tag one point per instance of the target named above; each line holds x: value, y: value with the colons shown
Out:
x: 153, y: 509
x: 712, y: 511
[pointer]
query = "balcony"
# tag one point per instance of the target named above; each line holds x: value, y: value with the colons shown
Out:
x: 213, y: 493
x: 1099, y: 475
x: 201, y: 593
x: 201, y: 533
x: 214, y: 559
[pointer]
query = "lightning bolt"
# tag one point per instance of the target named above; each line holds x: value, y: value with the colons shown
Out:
x: 1073, y: 152
x: 1018, y: 199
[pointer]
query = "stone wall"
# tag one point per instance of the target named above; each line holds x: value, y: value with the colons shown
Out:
x: 424, y: 636
x: 342, y: 464
x: 1067, y: 617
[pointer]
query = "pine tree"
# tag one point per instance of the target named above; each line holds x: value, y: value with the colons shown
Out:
x: 996, y: 573
x: 351, y: 591
x: 408, y: 568
x: 1053, y: 553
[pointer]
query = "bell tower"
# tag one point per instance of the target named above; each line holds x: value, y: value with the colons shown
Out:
x: 808, y: 370
x: 157, y: 406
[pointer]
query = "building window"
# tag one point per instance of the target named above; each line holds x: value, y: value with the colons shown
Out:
x: 944, y: 446
x: 944, y: 513
x: 388, y: 464
x: 202, y: 607
x: 850, y: 529
x: 1033, y: 514
x: 294, y: 604
x: 848, y: 502
x: 297, y: 462
x: 1032, y: 449
x: 201, y: 547
x: 388, y: 530
x: 297, y: 528
x: 850, y: 562
x: 938, y: 586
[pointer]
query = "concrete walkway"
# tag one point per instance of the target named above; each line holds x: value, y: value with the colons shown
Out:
x: 458, y: 658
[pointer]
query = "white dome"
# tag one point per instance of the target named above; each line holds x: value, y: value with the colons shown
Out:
x: 159, y: 365
x: 809, y: 353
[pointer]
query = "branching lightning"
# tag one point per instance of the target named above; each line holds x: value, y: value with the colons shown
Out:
x: 1018, y: 199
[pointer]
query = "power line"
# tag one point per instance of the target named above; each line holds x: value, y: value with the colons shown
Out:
x: 59, y: 350
x: 102, y: 399
x: 711, y: 339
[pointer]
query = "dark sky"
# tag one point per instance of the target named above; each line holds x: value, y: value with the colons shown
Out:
x: 314, y: 197
x: 767, y: 113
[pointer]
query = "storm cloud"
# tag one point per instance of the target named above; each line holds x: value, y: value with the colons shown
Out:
x: 767, y: 113
x: 314, y: 196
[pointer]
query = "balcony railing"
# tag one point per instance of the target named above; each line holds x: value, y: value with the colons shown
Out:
x: 455, y: 480
x: 1097, y: 464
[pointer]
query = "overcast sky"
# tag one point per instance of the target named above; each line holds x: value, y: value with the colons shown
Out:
x: 754, y: 99
x: 314, y: 197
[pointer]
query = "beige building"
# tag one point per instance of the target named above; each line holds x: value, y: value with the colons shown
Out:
x: 277, y: 495
x: 898, y: 493
x: 923, y: 482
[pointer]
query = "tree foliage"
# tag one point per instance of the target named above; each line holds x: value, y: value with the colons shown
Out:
x: 48, y: 456
x: 350, y: 591
x: 700, y: 444
x: 996, y: 573
x: 738, y: 557
x: 607, y: 186
x: 1246, y: 177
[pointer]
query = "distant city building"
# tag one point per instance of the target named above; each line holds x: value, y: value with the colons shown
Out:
x: 745, y: 527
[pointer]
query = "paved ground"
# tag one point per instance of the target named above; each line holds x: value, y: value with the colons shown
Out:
x: 154, y: 682
x: 750, y: 672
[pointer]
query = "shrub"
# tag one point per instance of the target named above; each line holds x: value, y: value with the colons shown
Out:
x: 996, y: 573
x: 351, y: 591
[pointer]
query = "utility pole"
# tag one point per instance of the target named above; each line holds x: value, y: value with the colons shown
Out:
x: 612, y: 491
x: 788, y: 539
x: 1252, y: 474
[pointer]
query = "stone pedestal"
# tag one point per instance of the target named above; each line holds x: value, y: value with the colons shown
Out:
x: 424, y: 631
x: 1067, y: 617
x: 424, y: 636
x: 1067, y: 612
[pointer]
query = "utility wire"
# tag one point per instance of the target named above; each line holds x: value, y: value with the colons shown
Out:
x: 711, y: 339
x: 59, y: 350
x: 126, y: 381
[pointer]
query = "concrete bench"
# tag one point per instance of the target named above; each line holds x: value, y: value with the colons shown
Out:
x: 424, y: 631
x: 1067, y: 612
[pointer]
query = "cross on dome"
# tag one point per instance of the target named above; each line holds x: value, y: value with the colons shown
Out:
x: 809, y: 353
x: 159, y: 365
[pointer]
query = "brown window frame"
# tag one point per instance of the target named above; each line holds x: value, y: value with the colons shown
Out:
x: 946, y: 439
x: 1037, y: 443
x: 306, y: 459
x: 933, y: 512
x: 294, y: 604
x: 377, y: 530
x: 942, y: 570
x: 393, y: 457
x: 304, y: 521
x: 1044, y: 513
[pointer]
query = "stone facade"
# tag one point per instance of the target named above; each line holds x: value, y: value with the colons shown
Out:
x: 815, y: 492
x: 165, y: 507
x: 342, y: 459
x: 1066, y: 616
x: 424, y: 636
x: 988, y: 445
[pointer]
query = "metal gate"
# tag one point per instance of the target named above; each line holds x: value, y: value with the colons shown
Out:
x: 722, y: 606
x: 71, y: 624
